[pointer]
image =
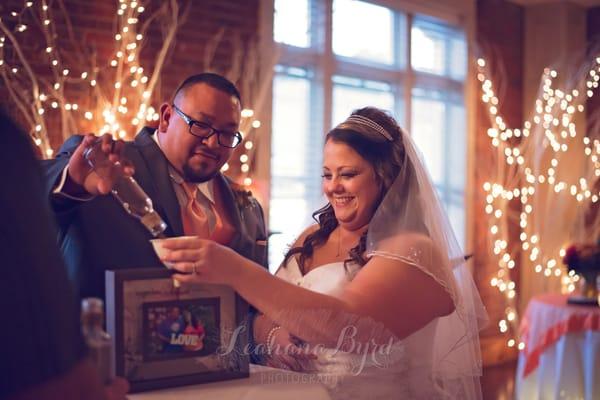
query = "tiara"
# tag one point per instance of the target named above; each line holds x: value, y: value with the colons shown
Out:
x: 360, y: 120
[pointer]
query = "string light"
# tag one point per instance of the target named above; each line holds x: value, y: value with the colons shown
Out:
x: 127, y: 40
x: 247, y: 113
x: 554, y: 114
x: 122, y: 103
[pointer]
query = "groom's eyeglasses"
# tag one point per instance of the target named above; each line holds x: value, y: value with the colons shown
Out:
x: 203, y: 130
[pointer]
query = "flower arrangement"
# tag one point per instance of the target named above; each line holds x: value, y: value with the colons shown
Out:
x: 583, y: 258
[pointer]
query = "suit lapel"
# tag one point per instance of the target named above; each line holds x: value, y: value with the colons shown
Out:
x: 159, y: 180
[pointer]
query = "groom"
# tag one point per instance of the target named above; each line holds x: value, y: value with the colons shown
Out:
x: 178, y: 166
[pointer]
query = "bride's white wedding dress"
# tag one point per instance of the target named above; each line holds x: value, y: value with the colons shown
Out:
x: 379, y: 375
x: 441, y: 360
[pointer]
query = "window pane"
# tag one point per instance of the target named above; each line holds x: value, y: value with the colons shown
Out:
x: 456, y: 214
x: 458, y: 58
x: 295, y: 156
x: 363, y: 30
x: 457, y: 146
x: 352, y: 93
x: 290, y: 103
x: 286, y: 219
x: 439, y: 131
x: 427, y: 50
x: 291, y: 23
x: 428, y: 127
x: 438, y: 49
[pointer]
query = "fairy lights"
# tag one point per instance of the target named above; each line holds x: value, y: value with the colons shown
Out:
x: 248, y: 126
x: 102, y: 108
x: 527, y: 175
x: 114, y: 94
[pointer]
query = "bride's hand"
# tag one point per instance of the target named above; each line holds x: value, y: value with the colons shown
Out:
x: 286, y: 353
x: 201, y: 261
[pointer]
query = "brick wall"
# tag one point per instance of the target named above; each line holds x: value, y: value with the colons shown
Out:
x: 94, y: 27
x: 593, y: 37
x: 593, y: 103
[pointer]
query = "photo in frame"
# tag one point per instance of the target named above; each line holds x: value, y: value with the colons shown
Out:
x: 184, y: 328
x: 165, y: 336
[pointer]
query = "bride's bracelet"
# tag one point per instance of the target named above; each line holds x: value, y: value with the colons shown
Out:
x: 270, y: 338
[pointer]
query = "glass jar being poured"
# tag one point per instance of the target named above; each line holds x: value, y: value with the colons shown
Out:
x: 126, y: 190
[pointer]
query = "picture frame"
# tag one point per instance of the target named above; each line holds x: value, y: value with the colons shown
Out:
x: 164, y: 335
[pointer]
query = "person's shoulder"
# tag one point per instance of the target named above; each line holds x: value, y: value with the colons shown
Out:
x: 296, y: 243
x: 243, y: 196
x: 237, y: 188
x: 408, y: 245
x: 407, y: 239
x: 417, y: 240
x: 144, y: 137
x: 304, y: 234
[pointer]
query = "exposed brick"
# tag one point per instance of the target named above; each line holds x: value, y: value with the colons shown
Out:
x: 593, y: 36
x: 93, y: 25
x: 500, y: 36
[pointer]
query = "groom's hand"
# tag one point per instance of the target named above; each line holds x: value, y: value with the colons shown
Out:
x: 83, y: 179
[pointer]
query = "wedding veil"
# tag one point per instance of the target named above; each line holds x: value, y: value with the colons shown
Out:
x: 411, y: 209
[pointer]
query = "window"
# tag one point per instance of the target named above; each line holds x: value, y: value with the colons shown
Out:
x: 353, y: 93
x: 333, y: 62
x: 291, y: 26
x: 350, y: 41
x: 295, y: 165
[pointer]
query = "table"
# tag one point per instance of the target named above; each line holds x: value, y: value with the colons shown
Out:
x: 561, y: 358
x: 264, y: 383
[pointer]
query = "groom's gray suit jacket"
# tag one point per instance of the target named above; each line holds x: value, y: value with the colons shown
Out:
x: 97, y: 235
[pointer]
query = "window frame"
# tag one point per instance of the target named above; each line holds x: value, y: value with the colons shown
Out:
x: 401, y: 76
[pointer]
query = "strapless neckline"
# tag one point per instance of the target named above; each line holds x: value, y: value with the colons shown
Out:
x: 330, y: 278
x: 318, y: 267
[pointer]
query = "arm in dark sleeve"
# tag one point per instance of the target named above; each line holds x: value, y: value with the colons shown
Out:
x: 62, y: 206
x: 54, y: 168
x: 40, y: 332
x: 256, y: 224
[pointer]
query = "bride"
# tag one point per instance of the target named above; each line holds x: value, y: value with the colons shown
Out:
x: 375, y: 300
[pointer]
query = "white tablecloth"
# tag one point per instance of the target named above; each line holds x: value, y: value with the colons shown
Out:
x: 570, y: 369
x: 264, y: 383
x: 561, y: 359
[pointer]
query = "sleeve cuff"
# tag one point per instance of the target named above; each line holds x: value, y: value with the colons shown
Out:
x: 58, y: 190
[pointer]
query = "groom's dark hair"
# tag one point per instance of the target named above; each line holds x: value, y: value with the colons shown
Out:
x: 215, y: 81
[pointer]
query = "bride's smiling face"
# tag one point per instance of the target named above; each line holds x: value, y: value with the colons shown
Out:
x: 350, y: 184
